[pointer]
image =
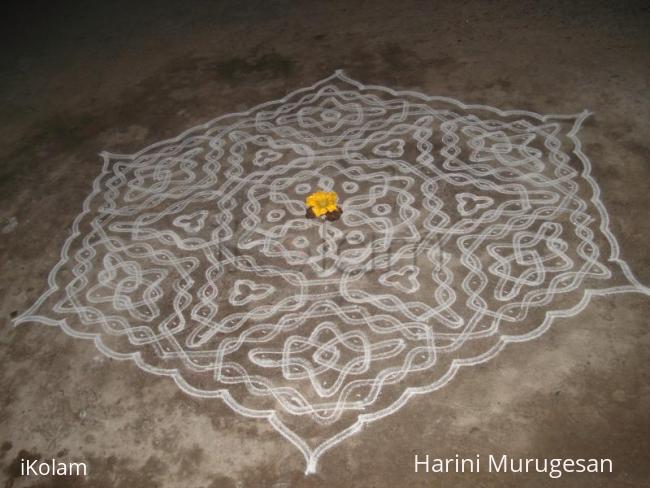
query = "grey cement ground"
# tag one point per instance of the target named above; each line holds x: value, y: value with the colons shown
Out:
x: 77, y: 79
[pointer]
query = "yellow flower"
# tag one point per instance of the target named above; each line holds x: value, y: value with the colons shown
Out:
x: 322, y: 202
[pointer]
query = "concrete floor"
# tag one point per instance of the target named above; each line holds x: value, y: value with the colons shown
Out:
x: 79, y: 79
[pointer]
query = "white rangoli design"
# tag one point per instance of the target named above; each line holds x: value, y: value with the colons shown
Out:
x: 463, y: 228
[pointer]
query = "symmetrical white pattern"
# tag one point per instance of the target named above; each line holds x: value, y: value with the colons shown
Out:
x: 464, y: 228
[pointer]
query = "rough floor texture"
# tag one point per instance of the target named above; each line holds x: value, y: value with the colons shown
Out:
x: 81, y: 78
